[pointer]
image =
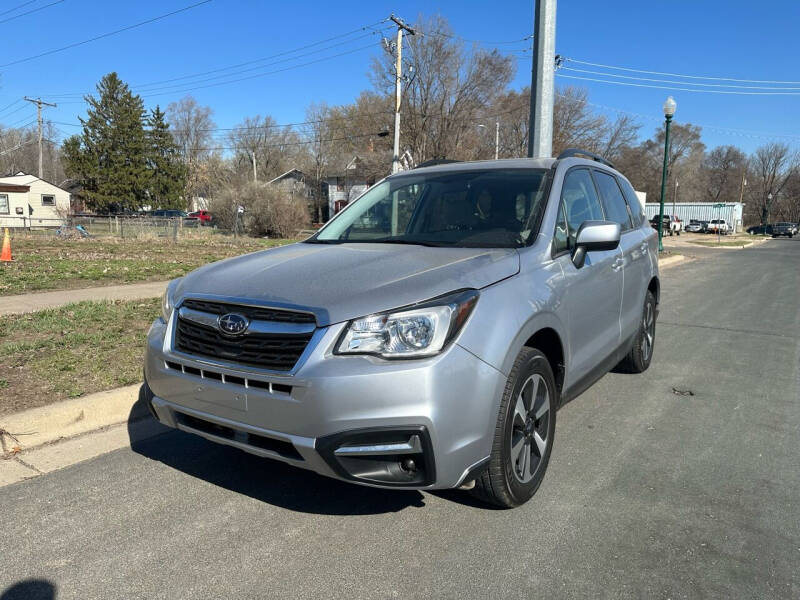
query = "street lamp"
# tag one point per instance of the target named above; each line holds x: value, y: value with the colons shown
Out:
x: 669, y: 109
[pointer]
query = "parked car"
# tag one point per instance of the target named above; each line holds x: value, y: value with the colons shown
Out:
x: 783, y: 230
x: 169, y: 214
x: 718, y: 226
x: 695, y: 226
x: 429, y: 348
x: 672, y: 224
x: 760, y: 230
x: 188, y: 220
x: 203, y: 216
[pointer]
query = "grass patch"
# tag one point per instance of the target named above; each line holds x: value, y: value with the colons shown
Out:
x: 47, y: 263
x: 71, y: 351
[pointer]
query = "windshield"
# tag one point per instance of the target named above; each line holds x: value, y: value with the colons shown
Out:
x: 482, y: 208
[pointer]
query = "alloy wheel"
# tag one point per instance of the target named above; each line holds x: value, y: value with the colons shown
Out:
x: 529, y: 433
x: 648, y: 331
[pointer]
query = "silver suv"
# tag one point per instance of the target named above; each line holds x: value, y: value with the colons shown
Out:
x: 425, y: 337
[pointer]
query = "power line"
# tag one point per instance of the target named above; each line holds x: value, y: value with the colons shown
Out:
x: 245, y: 63
x: 28, y: 12
x: 284, y: 53
x: 714, y: 85
x: 592, y: 64
x: 139, y: 88
x: 156, y: 92
x: 15, y: 111
x: 105, y: 35
x: 10, y: 10
x: 679, y: 89
x: 18, y: 100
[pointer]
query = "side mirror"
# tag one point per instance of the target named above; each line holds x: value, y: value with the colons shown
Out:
x: 594, y: 236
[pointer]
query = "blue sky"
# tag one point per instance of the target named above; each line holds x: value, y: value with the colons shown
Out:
x: 739, y: 40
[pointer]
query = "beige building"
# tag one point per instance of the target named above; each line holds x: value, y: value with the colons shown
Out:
x: 27, y: 201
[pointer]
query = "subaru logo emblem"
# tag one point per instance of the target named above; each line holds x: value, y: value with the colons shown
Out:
x: 233, y: 324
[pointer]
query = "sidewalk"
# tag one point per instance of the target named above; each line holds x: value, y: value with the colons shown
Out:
x: 25, y: 303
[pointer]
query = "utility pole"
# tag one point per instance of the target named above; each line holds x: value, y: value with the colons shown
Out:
x: 255, y: 173
x: 39, y: 103
x: 398, y: 75
x: 540, y: 130
x: 497, y: 140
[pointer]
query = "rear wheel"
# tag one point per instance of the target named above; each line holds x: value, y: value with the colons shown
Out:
x: 524, y: 433
x: 638, y: 359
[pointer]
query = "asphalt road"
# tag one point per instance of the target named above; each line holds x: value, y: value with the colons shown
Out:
x: 649, y: 494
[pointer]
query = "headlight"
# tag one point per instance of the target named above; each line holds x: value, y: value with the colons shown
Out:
x: 421, y: 330
x: 168, y: 300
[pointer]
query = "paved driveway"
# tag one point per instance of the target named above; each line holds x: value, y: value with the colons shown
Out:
x: 650, y: 493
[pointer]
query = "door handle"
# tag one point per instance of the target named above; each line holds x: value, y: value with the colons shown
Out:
x: 643, y: 248
x: 617, y: 264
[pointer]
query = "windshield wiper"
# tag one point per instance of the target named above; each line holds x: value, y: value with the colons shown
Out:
x: 318, y: 241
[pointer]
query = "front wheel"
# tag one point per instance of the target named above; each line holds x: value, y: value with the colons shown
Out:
x: 523, y: 438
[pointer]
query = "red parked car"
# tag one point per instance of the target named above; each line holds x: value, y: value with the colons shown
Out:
x: 203, y: 215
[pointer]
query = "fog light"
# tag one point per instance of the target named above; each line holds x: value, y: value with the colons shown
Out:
x: 408, y: 465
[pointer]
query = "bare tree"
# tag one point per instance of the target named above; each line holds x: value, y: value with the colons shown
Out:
x: 448, y: 89
x: 192, y: 127
x: 773, y: 166
x: 275, y: 148
x: 723, y: 170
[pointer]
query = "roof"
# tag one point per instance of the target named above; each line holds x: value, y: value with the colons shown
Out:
x: 287, y: 174
x: 506, y: 163
x: 25, y: 179
x: 10, y: 187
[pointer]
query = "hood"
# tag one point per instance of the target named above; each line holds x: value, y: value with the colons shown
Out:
x: 346, y: 281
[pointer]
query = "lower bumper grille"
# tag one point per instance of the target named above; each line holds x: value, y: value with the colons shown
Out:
x: 277, y: 352
x: 279, y: 447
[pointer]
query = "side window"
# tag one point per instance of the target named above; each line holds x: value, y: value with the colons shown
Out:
x: 637, y: 212
x: 579, y: 201
x: 613, y: 200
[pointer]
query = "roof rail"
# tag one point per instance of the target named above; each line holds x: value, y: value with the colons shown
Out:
x: 578, y: 152
x: 436, y: 161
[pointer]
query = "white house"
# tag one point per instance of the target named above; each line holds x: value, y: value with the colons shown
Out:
x: 27, y: 201
x: 344, y: 188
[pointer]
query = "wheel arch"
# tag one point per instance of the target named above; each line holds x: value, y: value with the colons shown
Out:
x: 655, y: 287
x: 548, y: 342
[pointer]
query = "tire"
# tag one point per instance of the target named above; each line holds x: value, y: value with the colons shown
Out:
x: 524, y: 433
x: 640, y: 355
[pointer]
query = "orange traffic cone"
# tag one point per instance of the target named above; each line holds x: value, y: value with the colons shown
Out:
x: 5, y: 254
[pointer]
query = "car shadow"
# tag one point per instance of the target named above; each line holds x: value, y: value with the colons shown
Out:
x: 263, y: 479
x: 30, y: 589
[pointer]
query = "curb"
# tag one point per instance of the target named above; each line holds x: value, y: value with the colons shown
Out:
x: 47, y: 424
x: 45, y: 439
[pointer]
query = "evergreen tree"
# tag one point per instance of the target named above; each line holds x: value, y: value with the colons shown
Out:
x: 167, y: 173
x: 110, y: 156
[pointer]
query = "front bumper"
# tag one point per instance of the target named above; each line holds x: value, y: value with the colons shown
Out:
x: 439, y: 412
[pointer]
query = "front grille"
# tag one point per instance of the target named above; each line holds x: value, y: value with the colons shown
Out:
x: 254, y: 313
x: 277, y: 352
